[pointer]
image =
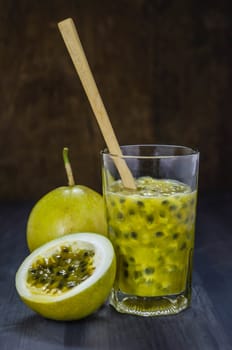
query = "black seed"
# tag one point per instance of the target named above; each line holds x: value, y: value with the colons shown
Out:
x: 140, y: 204
x: 162, y: 214
x: 149, y: 270
x: 72, y: 268
x: 183, y: 246
x: 120, y: 216
x: 65, y: 249
x: 165, y: 202
x: 172, y: 207
x: 179, y: 216
x: 150, y: 218
x: 62, y: 273
x: 125, y: 264
x: 132, y: 259
x: 71, y: 284
x: 134, y: 235
x: 126, y: 274
x: 43, y: 279
x: 175, y: 235
x: 159, y: 234
x: 122, y: 200
x: 131, y: 212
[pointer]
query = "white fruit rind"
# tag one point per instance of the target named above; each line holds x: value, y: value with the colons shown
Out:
x: 103, y: 258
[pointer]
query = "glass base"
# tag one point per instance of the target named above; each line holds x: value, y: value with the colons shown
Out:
x: 149, y: 306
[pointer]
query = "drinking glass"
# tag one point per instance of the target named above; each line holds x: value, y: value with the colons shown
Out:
x: 152, y: 227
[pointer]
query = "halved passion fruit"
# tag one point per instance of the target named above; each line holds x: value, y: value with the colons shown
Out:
x: 68, y: 278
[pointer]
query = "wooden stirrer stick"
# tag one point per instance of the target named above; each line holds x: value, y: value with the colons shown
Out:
x: 75, y: 49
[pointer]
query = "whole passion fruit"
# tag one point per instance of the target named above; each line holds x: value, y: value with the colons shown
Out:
x: 64, y: 210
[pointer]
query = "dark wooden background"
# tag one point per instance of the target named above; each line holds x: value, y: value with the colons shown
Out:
x: 163, y: 68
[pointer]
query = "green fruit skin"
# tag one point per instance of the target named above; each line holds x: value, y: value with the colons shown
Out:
x: 65, y: 210
x: 81, y: 305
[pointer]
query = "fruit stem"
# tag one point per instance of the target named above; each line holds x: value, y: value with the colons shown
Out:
x: 68, y: 167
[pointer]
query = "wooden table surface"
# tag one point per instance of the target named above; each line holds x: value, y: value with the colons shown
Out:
x: 207, y: 325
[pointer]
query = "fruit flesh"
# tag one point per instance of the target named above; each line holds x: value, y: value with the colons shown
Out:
x: 152, y: 230
x: 63, y: 270
x: 84, y: 298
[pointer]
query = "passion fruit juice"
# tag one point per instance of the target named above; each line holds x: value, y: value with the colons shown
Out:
x: 152, y: 230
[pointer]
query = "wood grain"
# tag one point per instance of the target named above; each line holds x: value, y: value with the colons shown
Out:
x: 206, y: 325
x: 76, y: 51
x: 163, y: 69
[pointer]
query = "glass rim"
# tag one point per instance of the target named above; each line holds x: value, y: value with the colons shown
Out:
x: 191, y: 153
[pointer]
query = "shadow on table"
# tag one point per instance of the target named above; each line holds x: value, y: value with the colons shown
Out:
x: 107, y: 329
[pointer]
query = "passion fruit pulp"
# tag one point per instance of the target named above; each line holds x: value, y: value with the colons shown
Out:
x: 68, y: 278
x: 62, y: 270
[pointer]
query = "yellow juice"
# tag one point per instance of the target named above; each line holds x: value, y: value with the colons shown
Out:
x: 152, y: 230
